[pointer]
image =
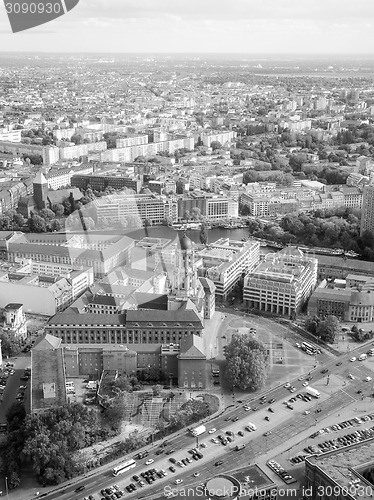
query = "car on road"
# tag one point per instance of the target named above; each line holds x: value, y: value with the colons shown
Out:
x: 267, y: 418
x: 254, y: 408
x: 267, y: 433
x: 339, y: 364
x: 293, y: 389
x: 241, y: 433
x: 271, y: 410
x: 271, y: 401
x: 211, y: 431
x: 170, y: 452
x: 80, y: 488
x: 306, y: 412
x: 219, y: 462
x: 172, y: 469
x: 298, y: 345
x: 22, y: 388
x: 353, y: 359
x: 227, y: 419
x: 367, y: 379
x: 247, y: 408
x: 149, y: 462
x: 286, y: 386
x: 325, y: 370
x: 305, y: 384
x: 196, y: 474
x: 351, y: 376
x: 235, y: 419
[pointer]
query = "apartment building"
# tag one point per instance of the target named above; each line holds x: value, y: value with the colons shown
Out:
x: 50, y: 154
x: 281, y: 283
x: 367, y: 215
x: 128, y: 154
x: 137, y: 140
x: 10, y: 135
x: 225, y: 262
x: 221, y: 137
x: 150, y: 207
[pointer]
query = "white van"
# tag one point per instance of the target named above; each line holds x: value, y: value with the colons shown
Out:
x: 362, y: 357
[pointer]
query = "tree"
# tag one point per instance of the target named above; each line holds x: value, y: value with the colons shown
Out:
x: 204, y: 234
x: 168, y: 221
x: 54, y: 226
x: 147, y: 223
x: 215, y: 145
x: 327, y: 329
x: 179, y: 186
x: 47, y: 214
x: 196, y: 213
x: 134, y: 221
x: 58, y: 209
x: 77, y: 139
x: 10, y: 344
x: 37, y: 224
x: 311, y: 324
x: 247, y: 363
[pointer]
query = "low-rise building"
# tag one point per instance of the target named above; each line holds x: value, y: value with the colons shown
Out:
x: 352, y: 300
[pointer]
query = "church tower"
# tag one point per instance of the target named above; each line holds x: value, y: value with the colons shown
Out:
x: 40, y: 185
x: 185, y: 278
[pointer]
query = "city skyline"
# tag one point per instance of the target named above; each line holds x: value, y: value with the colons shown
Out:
x: 165, y: 26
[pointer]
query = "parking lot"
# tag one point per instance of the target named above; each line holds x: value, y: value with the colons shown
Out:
x: 15, y: 384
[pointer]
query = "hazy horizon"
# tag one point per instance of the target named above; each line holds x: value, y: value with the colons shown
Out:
x: 277, y: 27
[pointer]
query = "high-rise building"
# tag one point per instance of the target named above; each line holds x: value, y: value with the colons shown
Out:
x: 367, y: 215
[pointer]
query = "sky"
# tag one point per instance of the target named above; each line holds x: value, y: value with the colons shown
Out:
x: 202, y: 26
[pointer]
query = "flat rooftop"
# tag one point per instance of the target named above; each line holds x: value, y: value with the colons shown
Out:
x: 47, y: 368
x: 347, y: 465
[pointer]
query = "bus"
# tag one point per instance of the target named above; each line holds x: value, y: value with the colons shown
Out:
x: 120, y: 469
x: 310, y: 349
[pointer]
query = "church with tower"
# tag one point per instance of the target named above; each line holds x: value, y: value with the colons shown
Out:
x: 187, y: 285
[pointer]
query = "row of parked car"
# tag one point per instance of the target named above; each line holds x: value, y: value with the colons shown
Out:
x: 282, y: 473
x: 195, y: 455
x: 110, y: 493
x: 341, y: 442
x: 344, y: 425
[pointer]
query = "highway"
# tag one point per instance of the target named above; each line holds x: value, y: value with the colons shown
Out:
x: 284, y: 424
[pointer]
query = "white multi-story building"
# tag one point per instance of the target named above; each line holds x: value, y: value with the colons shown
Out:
x: 226, y: 261
x: 117, y: 207
x: 128, y: 154
x: 282, y: 283
x: 9, y: 135
x: 125, y: 142
x: 221, y: 137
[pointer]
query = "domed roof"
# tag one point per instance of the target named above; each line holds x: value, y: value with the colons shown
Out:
x: 186, y: 243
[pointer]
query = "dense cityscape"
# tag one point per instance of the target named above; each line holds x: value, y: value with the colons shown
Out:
x: 186, y: 276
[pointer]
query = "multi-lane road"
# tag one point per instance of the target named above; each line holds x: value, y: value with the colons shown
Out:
x: 284, y: 424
